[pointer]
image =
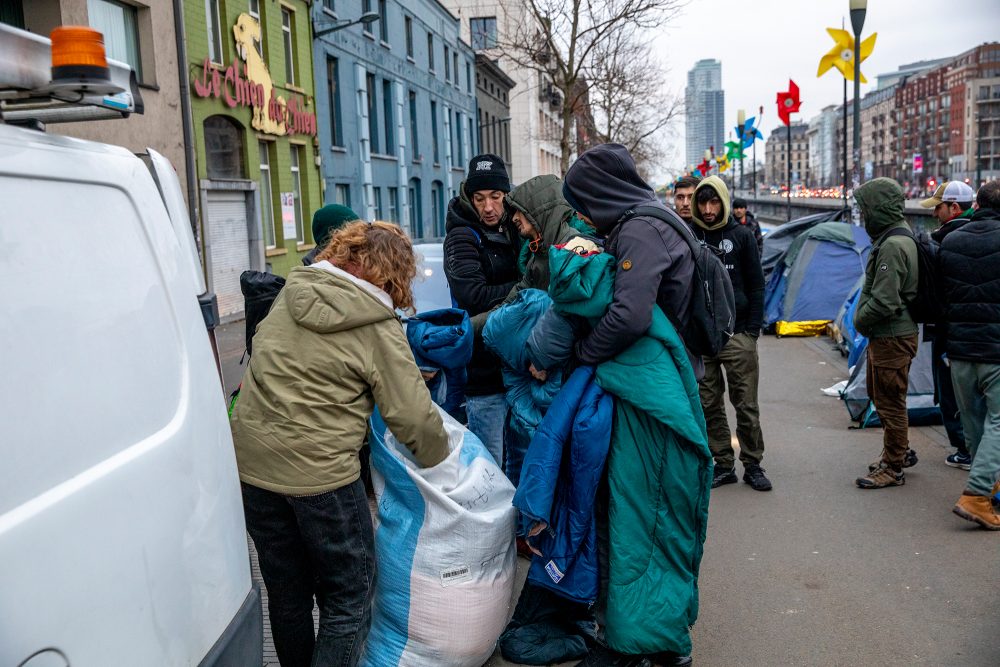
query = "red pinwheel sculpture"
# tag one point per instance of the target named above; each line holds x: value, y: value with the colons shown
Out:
x: 788, y: 102
x: 703, y: 168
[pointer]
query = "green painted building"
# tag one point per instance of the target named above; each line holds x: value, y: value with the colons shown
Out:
x: 250, y: 63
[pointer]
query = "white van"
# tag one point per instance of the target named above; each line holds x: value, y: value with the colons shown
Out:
x: 122, y: 538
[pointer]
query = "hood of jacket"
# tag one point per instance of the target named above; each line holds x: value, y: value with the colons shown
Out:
x: 541, y: 201
x: 717, y: 184
x: 604, y: 183
x: 882, y: 203
x: 327, y: 302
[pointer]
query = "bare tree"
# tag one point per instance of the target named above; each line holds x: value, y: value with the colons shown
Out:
x: 568, y: 43
x: 631, y: 102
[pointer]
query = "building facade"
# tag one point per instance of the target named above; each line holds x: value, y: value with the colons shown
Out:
x: 879, y: 134
x: 777, y: 155
x: 493, y: 27
x: 704, y: 110
x: 493, y: 88
x: 397, y: 109
x: 140, y: 34
x: 255, y: 129
x: 824, y: 163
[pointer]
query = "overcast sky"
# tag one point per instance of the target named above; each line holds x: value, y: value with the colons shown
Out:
x: 763, y: 43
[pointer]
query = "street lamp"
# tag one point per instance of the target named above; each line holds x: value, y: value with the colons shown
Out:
x: 979, y: 150
x: 858, y: 10
x: 741, y: 120
x: 332, y: 26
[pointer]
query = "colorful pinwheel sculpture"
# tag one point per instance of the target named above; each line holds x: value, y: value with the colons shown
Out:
x: 750, y: 132
x: 841, y: 55
x: 722, y: 162
x: 788, y: 102
x: 734, y: 151
x: 703, y: 168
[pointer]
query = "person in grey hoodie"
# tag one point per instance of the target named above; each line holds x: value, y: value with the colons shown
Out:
x: 654, y: 268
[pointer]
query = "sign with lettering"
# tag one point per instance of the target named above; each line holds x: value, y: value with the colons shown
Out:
x: 250, y: 85
x: 918, y: 163
x: 288, y: 227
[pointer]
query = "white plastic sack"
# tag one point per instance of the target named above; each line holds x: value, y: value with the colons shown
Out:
x: 444, y: 547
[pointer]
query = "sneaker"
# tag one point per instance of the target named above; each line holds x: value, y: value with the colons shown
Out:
x: 666, y: 659
x: 959, y: 460
x: 754, y: 476
x: 978, y: 509
x: 723, y: 476
x: 602, y: 656
x: 909, y: 460
x: 880, y: 478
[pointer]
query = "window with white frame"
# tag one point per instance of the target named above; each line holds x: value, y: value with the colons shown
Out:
x: 286, y: 35
x: 266, y: 198
x: 484, y: 32
x: 393, y: 216
x: 379, y: 213
x: 297, y: 194
x: 253, y: 8
x: 213, y: 23
x: 119, y: 24
x: 342, y: 194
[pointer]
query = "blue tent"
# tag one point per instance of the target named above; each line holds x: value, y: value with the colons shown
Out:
x: 813, y: 279
x: 849, y: 341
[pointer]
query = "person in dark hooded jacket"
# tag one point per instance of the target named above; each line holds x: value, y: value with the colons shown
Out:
x: 654, y: 263
x: 480, y: 261
x: 653, y: 268
x: 736, y: 246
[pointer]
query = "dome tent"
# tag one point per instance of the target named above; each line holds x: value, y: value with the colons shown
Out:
x: 813, y: 279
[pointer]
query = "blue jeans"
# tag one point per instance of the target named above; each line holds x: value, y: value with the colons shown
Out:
x: 977, y: 388
x: 320, y: 546
x: 487, y: 417
x: 946, y: 396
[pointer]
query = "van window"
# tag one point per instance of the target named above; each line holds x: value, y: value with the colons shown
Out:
x: 92, y: 360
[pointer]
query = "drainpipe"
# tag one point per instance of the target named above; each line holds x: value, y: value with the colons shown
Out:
x: 186, y: 119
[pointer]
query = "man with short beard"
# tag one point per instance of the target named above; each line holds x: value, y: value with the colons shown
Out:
x: 684, y: 197
x: 736, y: 247
x: 480, y: 261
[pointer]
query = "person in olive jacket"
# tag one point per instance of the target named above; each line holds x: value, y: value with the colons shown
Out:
x: 480, y: 261
x: 735, y: 245
x: 330, y: 349
x: 882, y: 315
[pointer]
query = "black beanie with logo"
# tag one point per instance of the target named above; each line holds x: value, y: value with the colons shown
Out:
x: 487, y: 172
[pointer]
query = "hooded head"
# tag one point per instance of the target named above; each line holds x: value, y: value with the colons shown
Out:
x: 882, y: 203
x: 329, y: 219
x: 709, y: 189
x: 603, y: 184
x: 539, y: 200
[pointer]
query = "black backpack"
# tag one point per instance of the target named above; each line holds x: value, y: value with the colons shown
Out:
x: 928, y: 305
x: 259, y: 289
x: 713, y: 307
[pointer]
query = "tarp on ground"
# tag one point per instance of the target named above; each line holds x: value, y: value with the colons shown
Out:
x: 919, y: 397
x: 777, y: 241
x: 816, y: 275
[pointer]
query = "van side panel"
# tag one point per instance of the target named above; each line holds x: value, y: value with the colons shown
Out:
x: 122, y: 537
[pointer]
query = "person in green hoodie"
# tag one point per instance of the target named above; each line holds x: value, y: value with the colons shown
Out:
x: 330, y: 349
x: 882, y: 315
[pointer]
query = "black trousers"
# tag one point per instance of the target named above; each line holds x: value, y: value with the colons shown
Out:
x: 320, y: 547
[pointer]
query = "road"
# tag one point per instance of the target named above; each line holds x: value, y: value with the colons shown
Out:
x: 818, y: 572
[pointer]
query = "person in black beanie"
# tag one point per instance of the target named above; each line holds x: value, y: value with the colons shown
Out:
x: 480, y: 262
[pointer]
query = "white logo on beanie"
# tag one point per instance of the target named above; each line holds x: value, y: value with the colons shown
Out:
x: 485, y: 165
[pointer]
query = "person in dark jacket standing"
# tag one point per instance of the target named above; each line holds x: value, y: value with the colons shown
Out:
x: 882, y: 315
x: 747, y: 219
x: 654, y: 268
x: 970, y: 267
x: 480, y: 261
x: 736, y: 246
x: 952, y: 204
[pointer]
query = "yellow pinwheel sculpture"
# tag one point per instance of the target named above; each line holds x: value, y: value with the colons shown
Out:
x: 723, y: 162
x: 841, y: 55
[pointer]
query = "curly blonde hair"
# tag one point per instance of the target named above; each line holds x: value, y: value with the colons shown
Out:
x: 379, y: 252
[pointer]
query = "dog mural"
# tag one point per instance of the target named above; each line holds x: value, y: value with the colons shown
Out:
x: 247, y: 31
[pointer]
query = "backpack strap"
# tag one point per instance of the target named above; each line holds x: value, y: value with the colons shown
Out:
x: 664, y: 216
